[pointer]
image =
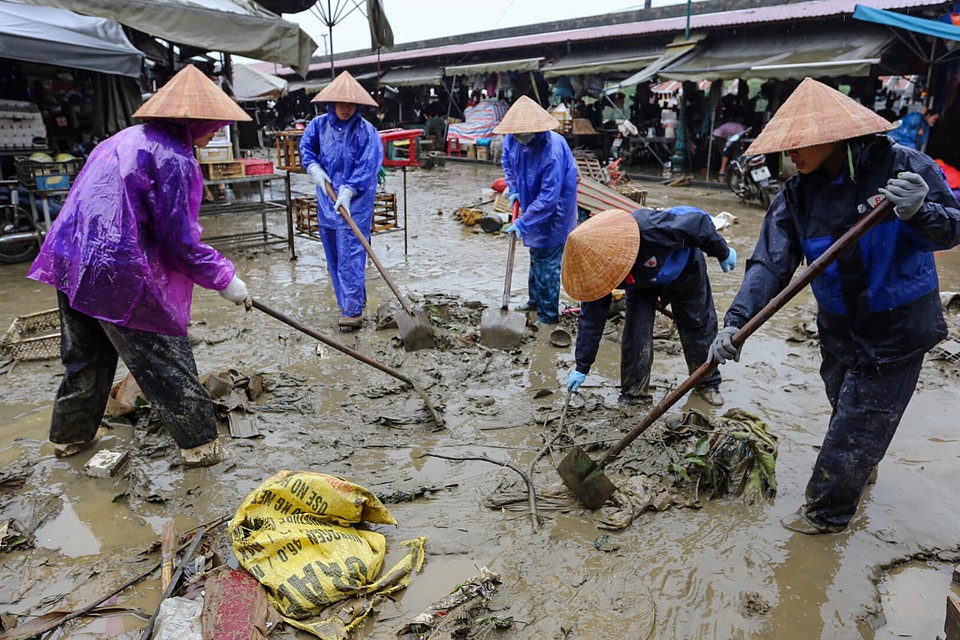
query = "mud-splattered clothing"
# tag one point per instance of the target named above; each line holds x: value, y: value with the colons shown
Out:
x: 350, y: 152
x: 879, y: 307
x: 544, y: 176
x: 669, y: 267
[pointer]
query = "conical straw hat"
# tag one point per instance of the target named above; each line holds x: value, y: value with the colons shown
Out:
x: 526, y: 116
x: 816, y: 114
x: 599, y: 254
x: 191, y: 94
x: 345, y: 89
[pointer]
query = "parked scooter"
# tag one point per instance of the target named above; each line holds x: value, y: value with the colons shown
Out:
x: 748, y: 176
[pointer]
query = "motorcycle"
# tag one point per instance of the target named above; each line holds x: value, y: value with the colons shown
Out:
x: 749, y: 177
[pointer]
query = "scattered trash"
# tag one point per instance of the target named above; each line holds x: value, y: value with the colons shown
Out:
x: 950, y: 301
x: 468, y: 216
x: 948, y: 349
x: 724, y: 219
x: 235, y: 605
x: 178, y: 619
x: 296, y: 534
x: 125, y: 398
x: 105, y: 463
x: 752, y: 605
x: 455, y: 615
x: 11, y: 537
x: 560, y: 338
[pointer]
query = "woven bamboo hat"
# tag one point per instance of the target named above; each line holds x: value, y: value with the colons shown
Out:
x: 816, y: 114
x: 191, y: 94
x: 526, y: 116
x: 345, y: 89
x: 599, y: 254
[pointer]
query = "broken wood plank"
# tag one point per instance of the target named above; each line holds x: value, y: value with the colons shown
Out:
x: 952, y: 624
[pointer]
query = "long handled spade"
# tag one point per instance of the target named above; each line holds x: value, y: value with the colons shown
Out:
x: 585, y: 477
x: 339, y: 346
x: 502, y: 328
x: 415, y: 327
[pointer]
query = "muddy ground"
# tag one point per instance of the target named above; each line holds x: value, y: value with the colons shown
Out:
x: 726, y: 570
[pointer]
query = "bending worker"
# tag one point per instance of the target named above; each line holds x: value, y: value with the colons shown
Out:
x: 343, y: 150
x: 542, y: 176
x: 878, y: 306
x: 652, y: 255
x: 124, y: 254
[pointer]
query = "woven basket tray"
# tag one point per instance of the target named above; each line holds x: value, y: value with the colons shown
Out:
x: 33, y: 337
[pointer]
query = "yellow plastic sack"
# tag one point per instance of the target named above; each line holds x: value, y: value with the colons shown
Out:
x: 294, y: 533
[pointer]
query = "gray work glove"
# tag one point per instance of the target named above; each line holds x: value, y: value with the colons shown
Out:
x: 722, y: 347
x: 318, y: 174
x: 907, y: 192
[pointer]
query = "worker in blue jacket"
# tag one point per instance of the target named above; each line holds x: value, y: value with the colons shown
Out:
x: 343, y: 150
x: 542, y: 176
x: 879, y: 307
x: 654, y: 256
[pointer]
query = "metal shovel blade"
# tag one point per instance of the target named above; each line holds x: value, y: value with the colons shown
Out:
x: 415, y: 330
x: 502, y: 328
x: 587, y: 481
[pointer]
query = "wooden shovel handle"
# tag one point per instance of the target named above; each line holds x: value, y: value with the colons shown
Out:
x: 366, y: 246
x: 816, y: 268
x: 511, y: 253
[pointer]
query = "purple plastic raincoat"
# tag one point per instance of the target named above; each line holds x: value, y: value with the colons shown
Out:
x: 126, y: 246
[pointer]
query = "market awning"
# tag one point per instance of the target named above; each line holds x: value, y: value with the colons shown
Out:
x: 676, y: 51
x: 524, y: 64
x: 601, y: 62
x: 231, y: 26
x: 412, y: 76
x: 251, y: 85
x: 933, y: 28
x: 850, y: 51
x: 63, y: 38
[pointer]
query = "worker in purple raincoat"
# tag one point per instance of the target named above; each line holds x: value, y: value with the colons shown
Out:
x: 124, y: 254
x: 542, y: 176
x: 342, y: 151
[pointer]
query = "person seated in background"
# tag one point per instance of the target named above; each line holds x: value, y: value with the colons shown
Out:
x: 912, y: 129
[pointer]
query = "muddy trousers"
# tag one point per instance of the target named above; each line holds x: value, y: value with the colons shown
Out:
x: 162, y: 365
x: 543, y: 282
x: 867, y: 407
x: 347, y: 262
x: 691, y: 301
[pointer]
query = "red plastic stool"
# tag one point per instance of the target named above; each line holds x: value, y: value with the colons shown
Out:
x: 453, y: 146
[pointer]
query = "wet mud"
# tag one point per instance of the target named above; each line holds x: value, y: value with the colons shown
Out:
x: 724, y: 570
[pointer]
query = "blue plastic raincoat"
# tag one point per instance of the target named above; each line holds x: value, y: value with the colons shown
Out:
x: 126, y: 246
x: 351, y: 153
x: 544, y: 175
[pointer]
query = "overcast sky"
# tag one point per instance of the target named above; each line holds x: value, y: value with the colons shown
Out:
x: 414, y: 20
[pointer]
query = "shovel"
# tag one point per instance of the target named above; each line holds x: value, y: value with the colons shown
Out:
x: 342, y: 348
x: 585, y: 478
x: 502, y: 328
x: 415, y: 327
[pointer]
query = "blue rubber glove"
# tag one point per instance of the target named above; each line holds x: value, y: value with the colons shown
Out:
x: 514, y: 229
x: 731, y: 262
x: 513, y: 197
x: 343, y: 199
x: 575, y: 379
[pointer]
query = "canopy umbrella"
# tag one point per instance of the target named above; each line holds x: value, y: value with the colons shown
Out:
x: 230, y: 26
x: 54, y: 36
x: 251, y: 84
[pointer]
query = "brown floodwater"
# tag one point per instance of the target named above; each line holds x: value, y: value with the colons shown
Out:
x: 682, y: 573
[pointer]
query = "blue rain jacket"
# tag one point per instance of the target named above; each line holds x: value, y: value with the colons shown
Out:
x: 668, y: 240
x: 544, y: 175
x: 879, y: 302
x: 909, y: 130
x: 351, y: 153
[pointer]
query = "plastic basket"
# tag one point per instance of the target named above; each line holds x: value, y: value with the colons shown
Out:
x: 255, y: 167
x: 33, y: 337
x: 33, y: 174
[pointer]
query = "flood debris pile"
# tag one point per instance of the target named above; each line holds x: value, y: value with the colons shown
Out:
x: 464, y: 613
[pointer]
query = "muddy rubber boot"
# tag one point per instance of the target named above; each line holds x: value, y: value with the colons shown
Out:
x: 802, y: 523
x: 635, y: 400
x: 68, y: 449
x: 711, y: 395
x: 205, y: 455
x: 349, y: 324
x: 526, y: 306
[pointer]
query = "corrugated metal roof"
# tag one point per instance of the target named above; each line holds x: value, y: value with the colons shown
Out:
x: 760, y: 15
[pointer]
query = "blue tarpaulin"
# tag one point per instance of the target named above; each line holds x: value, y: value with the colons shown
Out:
x: 933, y: 28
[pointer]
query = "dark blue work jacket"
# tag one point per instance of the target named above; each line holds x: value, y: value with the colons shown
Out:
x: 879, y: 302
x: 668, y: 240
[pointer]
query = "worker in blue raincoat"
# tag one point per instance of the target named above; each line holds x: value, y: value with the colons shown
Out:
x: 542, y: 176
x: 656, y: 257
x: 342, y: 151
x: 879, y: 308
